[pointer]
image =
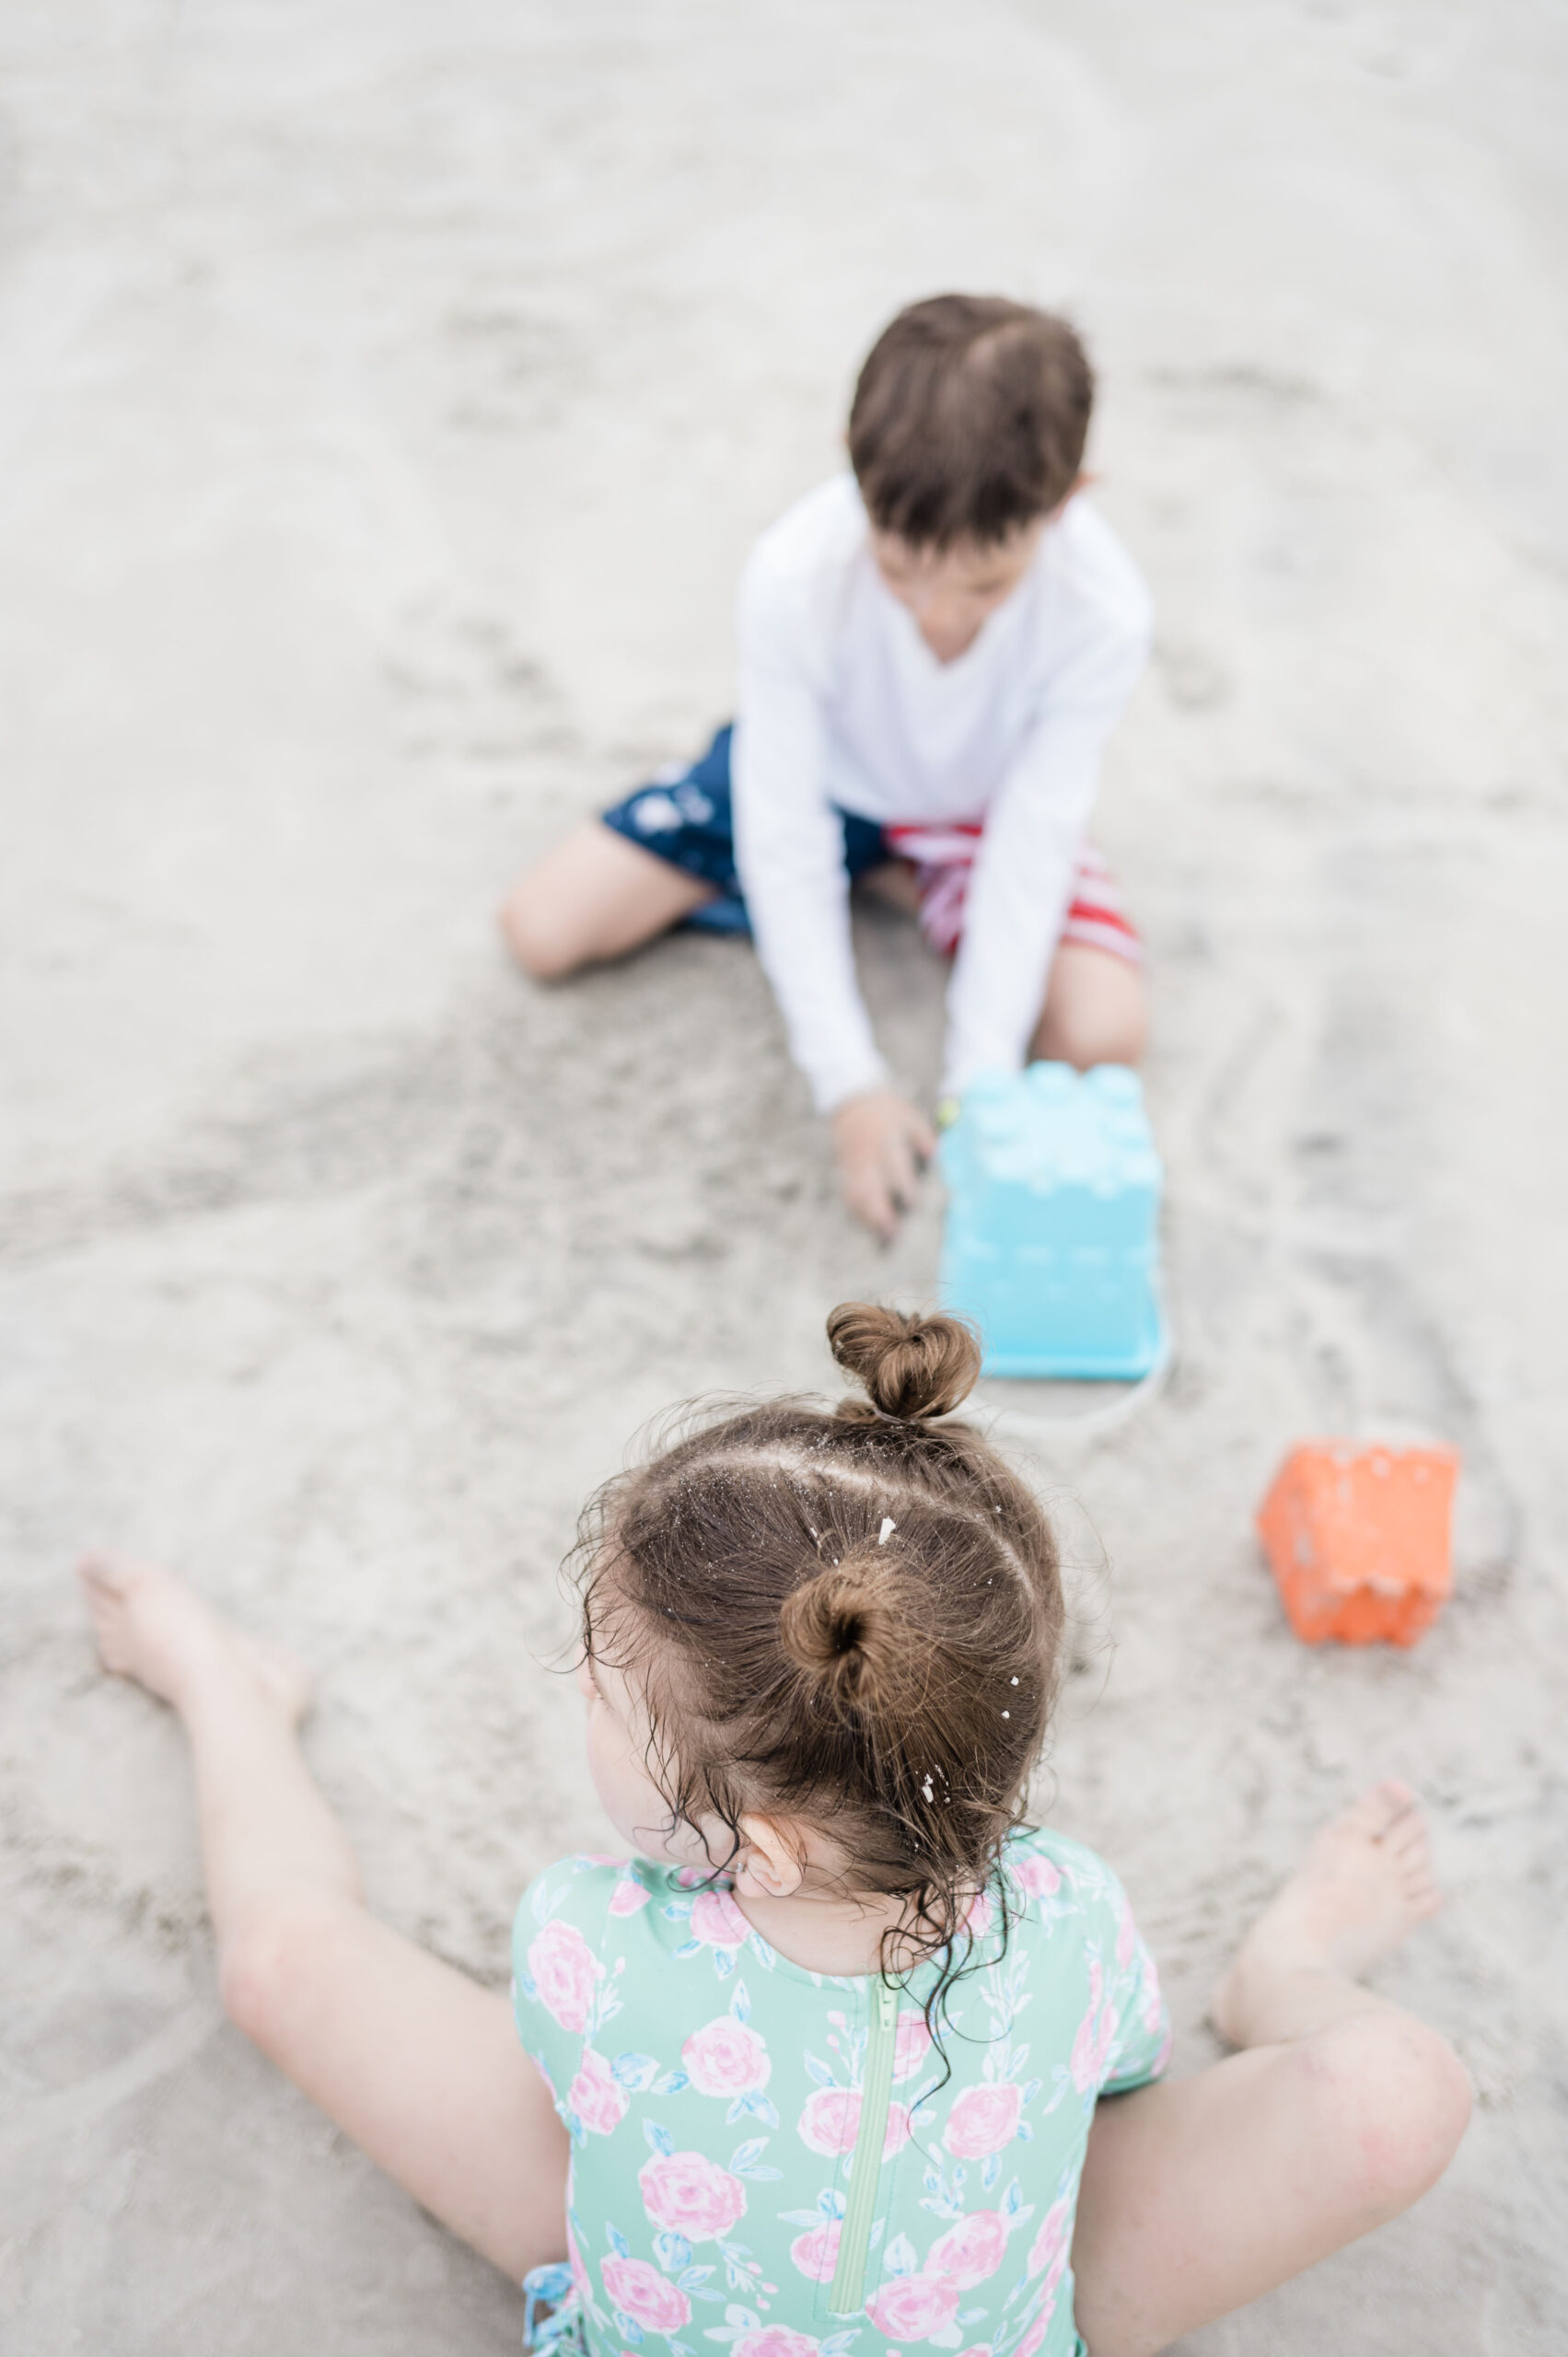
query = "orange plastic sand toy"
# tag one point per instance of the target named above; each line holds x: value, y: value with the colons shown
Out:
x: 1358, y: 1540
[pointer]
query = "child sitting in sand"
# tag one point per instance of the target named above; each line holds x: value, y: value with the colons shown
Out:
x: 842, y: 2054
x: 933, y: 651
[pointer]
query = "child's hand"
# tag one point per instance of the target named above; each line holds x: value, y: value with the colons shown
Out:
x: 882, y: 1143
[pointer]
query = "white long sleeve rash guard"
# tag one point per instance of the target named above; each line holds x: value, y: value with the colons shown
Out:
x: 842, y: 706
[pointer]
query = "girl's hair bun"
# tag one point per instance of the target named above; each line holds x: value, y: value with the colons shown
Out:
x: 911, y: 1367
x: 844, y: 1628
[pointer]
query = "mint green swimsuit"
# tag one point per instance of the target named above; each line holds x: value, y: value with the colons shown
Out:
x: 776, y: 2161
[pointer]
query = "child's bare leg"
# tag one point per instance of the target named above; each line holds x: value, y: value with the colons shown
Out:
x: 1340, y: 2111
x: 419, y: 2064
x: 896, y: 883
x: 595, y: 896
x: 1095, y: 1010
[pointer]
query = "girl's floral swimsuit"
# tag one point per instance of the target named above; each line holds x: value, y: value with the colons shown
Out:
x: 779, y: 2161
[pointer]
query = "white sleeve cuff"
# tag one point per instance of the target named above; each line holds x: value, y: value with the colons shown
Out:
x: 829, y: 1089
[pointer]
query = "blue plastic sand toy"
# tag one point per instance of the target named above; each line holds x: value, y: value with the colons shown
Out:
x: 1052, y: 1237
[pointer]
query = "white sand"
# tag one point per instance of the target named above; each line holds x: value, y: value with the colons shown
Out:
x: 389, y: 394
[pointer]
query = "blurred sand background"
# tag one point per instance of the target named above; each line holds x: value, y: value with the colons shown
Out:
x: 388, y: 395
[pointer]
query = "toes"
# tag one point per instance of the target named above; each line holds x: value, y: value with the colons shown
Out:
x: 1407, y: 1838
x: 1385, y: 1806
x: 101, y: 1574
x: 1368, y: 1814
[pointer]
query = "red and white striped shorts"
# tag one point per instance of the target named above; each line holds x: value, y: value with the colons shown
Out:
x: 944, y: 856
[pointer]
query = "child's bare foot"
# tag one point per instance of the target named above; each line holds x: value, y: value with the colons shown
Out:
x: 152, y: 1628
x: 1361, y: 1888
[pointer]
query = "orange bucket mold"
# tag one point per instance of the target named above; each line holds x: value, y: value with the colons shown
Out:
x: 1358, y: 1540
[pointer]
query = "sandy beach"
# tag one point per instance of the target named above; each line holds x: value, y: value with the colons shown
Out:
x: 388, y: 396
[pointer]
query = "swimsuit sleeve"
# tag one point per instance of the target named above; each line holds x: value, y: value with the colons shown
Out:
x: 1122, y: 2038
x: 1140, y: 2044
x: 559, y: 1984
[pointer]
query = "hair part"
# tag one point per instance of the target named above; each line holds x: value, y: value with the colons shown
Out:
x: 851, y: 1617
x: 968, y: 420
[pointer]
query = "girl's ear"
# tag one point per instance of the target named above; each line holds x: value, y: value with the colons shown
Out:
x: 772, y: 1860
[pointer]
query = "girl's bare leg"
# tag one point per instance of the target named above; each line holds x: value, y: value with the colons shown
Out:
x: 596, y: 896
x: 419, y: 2064
x: 1339, y: 2113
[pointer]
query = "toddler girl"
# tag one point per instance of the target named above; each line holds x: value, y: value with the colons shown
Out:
x: 840, y: 2055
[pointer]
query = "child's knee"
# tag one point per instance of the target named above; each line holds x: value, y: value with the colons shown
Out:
x: 1111, y: 1035
x: 1096, y: 1011
x: 1086, y: 1037
x: 540, y: 936
x: 1391, y: 2101
x: 265, y: 1963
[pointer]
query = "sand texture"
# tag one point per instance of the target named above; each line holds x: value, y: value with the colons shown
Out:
x: 389, y: 396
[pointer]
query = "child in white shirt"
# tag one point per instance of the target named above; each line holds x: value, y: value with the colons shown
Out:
x: 933, y: 651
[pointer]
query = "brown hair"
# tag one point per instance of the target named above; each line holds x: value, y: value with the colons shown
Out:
x: 968, y: 419
x: 854, y: 1616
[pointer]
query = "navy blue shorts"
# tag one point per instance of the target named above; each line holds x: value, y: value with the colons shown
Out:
x: 685, y: 818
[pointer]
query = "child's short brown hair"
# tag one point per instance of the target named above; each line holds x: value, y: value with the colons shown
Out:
x: 968, y: 419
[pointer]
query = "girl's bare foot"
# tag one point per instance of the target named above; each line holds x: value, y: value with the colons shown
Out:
x: 152, y: 1628
x: 1361, y: 1888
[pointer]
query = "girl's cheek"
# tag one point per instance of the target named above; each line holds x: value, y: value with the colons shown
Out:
x: 616, y: 1779
x: 602, y: 1748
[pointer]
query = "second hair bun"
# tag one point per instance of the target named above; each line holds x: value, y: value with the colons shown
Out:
x: 911, y: 1367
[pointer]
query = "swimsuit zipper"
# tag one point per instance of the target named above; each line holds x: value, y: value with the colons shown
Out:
x: 847, y: 2295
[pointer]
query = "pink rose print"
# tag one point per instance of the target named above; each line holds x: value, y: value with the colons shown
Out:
x: 1039, y: 1877
x: 911, y: 2308
x: 775, y: 2340
x: 690, y: 2195
x: 628, y: 1896
x: 983, y: 2120
x: 911, y: 2043
x: 1039, y: 2327
x: 640, y: 2292
x: 717, y: 1921
x: 1052, y: 2240
x: 971, y: 2250
x: 817, y: 2253
x: 830, y: 2122
x: 1054, y: 2271
x: 1096, y: 2031
x: 725, y: 2058
x: 563, y: 1971
x: 976, y: 2348
x: 593, y: 2094
x: 1126, y: 1938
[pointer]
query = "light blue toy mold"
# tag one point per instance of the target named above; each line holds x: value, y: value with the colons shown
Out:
x: 1052, y: 1243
